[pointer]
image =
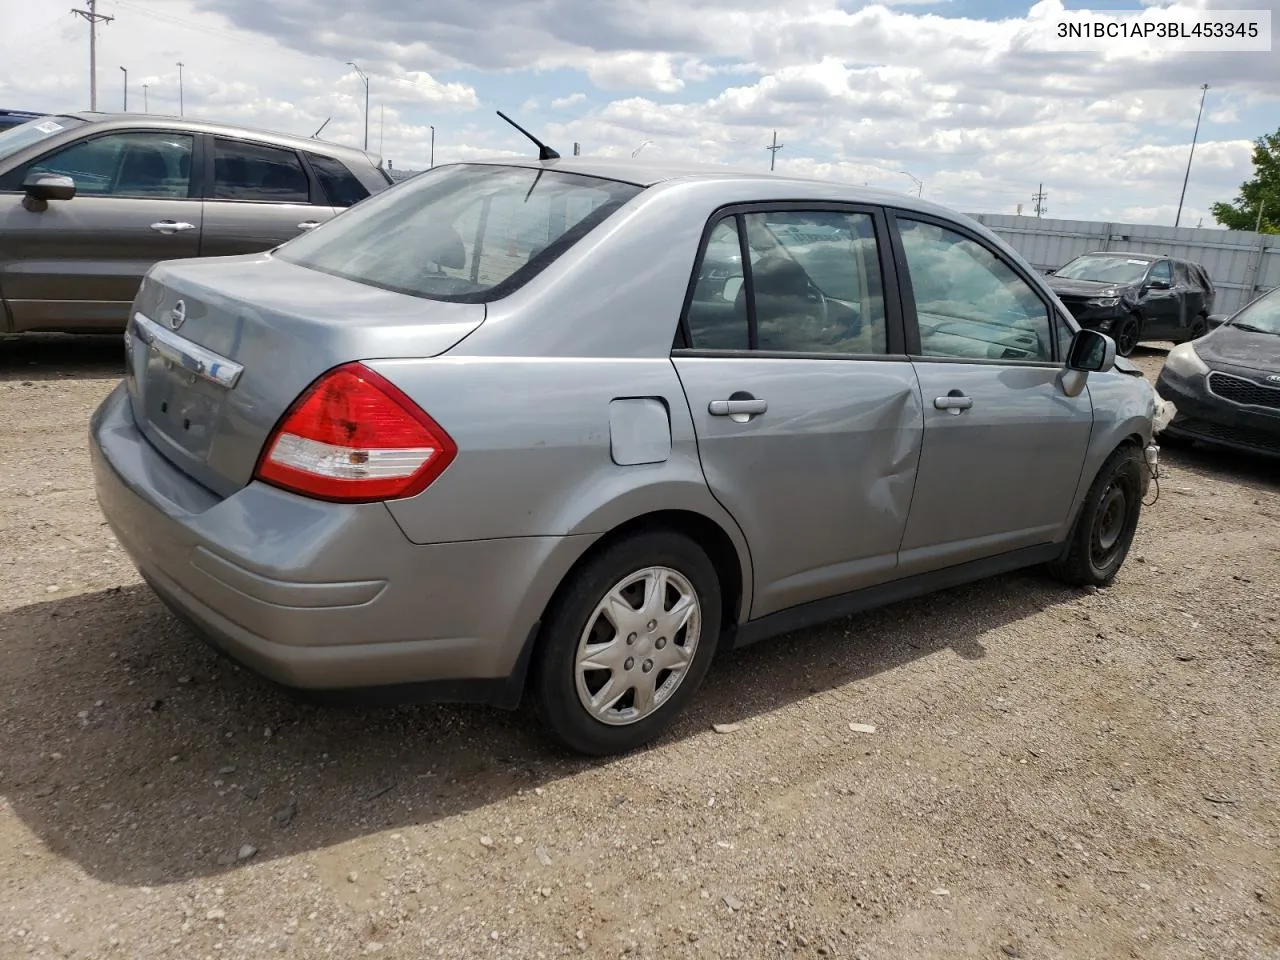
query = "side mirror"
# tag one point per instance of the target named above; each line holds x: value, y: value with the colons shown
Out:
x: 1091, y: 352
x: 1215, y: 320
x: 1158, y: 285
x: 49, y: 186
x: 1050, y: 272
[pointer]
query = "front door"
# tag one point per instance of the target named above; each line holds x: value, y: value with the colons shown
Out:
x: 1003, y: 444
x: 808, y: 427
x: 77, y: 264
x: 259, y: 197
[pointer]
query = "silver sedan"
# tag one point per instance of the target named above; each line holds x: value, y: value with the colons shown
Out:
x: 566, y: 428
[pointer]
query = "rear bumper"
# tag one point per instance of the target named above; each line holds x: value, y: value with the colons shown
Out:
x: 325, y: 596
x: 1205, y: 417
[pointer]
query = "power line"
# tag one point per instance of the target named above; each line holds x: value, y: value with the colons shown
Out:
x: 93, y: 18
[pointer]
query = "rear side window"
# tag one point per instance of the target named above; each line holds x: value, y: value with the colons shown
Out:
x: 340, y: 184
x: 464, y: 232
x: 812, y: 284
x: 252, y: 171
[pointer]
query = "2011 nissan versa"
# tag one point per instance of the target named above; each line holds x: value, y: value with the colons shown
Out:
x: 508, y: 428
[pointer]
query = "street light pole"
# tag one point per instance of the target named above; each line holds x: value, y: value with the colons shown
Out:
x: 181, y: 103
x: 363, y: 76
x: 145, y: 106
x: 125, y: 71
x: 919, y: 183
x: 1204, y: 89
x: 433, y: 146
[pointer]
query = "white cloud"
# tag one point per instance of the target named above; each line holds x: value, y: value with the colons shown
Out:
x: 572, y: 100
x: 858, y: 92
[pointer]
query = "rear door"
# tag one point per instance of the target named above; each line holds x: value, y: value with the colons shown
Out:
x: 258, y: 196
x: 77, y: 264
x: 1003, y: 444
x: 806, y: 409
x: 1162, y: 308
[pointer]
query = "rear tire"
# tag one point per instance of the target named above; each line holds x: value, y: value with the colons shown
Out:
x: 1108, y: 520
x: 1199, y: 327
x: 627, y: 643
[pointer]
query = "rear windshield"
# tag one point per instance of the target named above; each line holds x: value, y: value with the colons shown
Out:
x: 24, y: 135
x: 465, y: 232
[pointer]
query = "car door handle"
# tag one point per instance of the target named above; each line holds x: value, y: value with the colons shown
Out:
x: 737, y: 408
x: 172, y: 226
x: 308, y: 224
x: 953, y: 402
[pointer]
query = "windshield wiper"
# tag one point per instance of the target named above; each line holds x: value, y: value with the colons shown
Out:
x: 1249, y: 327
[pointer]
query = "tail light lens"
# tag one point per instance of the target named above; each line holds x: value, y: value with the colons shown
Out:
x: 354, y: 437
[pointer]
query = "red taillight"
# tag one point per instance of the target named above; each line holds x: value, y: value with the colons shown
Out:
x: 352, y: 437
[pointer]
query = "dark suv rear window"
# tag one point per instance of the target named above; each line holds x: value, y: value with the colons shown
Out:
x: 464, y: 232
x: 340, y: 184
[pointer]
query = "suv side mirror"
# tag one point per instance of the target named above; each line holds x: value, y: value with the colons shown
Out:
x: 1158, y: 285
x: 1091, y: 352
x: 1215, y: 320
x: 43, y: 187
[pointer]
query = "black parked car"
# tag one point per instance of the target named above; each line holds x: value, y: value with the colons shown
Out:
x: 11, y: 118
x: 1226, y: 385
x: 1136, y: 296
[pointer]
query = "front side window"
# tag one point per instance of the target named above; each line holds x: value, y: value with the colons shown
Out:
x: 1161, y: 271
x: 970, y: 304
x: 252, y: 171
x: 463, y: 232
x: 132, y: 165
x: 812, y: 284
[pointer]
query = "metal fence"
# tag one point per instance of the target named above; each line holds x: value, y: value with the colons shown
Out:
x: 1242, y: 264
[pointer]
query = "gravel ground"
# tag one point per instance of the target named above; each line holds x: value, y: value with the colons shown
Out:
x: 1052, y: 773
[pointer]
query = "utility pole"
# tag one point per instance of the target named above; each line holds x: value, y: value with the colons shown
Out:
x: 1039, y: 199
x: 1204, y: 89
x: 181, y: 104
x: 773, y: 150
x: 1262, y: 205
x: 93, y: 18
x: 363, y: 76
x: 125, y: 71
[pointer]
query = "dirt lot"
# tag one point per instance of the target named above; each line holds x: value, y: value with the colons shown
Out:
x: 1053, y: 773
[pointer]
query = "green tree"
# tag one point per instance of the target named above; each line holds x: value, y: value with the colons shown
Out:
x: 1262, y: 191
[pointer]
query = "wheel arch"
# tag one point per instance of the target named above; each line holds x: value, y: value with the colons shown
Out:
x: 732, y: 568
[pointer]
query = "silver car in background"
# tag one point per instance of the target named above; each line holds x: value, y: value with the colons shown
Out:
x: 569, y: 427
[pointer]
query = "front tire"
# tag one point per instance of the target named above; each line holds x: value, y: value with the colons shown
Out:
x: 1108, y: 520
x: 1199, y: 327
x: 1128, y: 335
x: 627, y: 644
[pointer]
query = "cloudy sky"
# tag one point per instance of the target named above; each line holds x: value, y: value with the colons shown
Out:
x: 951, y: 92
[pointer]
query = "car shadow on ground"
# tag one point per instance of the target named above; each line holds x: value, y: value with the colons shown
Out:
x: 146, y: 759
x: 59, y: 357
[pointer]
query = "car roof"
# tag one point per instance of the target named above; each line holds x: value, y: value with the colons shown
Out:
x: 774, y: 186
x: 1126, y: 255
x: 228, y: 129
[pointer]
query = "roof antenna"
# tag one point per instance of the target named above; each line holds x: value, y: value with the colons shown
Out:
x: 544, y: 152
x: 316, y: 135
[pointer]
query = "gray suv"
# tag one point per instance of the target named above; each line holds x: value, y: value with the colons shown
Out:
x: 532, y: 427
x: 88, y: 202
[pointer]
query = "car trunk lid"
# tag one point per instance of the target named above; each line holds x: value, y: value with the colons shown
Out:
x: 218, y: 349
